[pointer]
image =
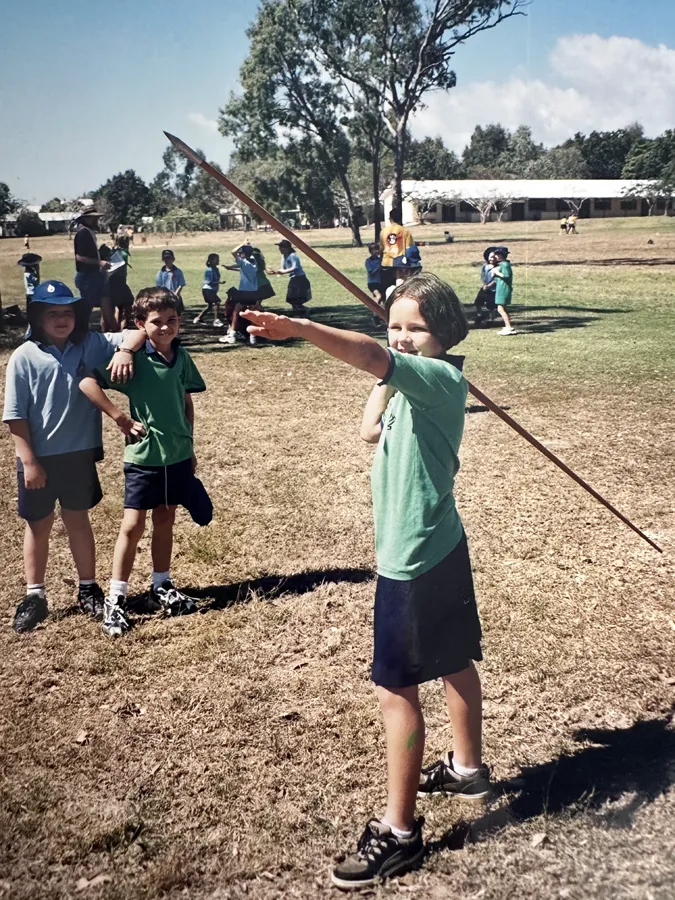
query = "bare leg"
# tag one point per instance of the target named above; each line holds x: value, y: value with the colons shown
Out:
x: 217, y: 316
x: 465, y: 705
x: 404, y: 727
x: 36, y: 549
x: 162, y: 537
x: 108, y: 319
x: 131, y: 531
x: 81, y: 539
x: 505, y: 316
x: 235, y: 317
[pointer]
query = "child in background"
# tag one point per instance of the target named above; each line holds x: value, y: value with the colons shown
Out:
x: 485, y: 298
x: 426, y: 620
x: 58, y: 438
x: 503, y: 273
x: 404, y: 267
x: 31, y: 273
x: 373, y: 274
x: 118, y: 289
x: 210, y: 288
x: 265, y: 289
x: 243, y: 297
x: 299, y: 289
x: 159, y: 463
x: 171, y: 277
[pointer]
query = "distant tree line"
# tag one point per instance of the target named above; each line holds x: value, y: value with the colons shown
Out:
x: 295, y: 178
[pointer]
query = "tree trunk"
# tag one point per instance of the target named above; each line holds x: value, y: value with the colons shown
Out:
x: 356, y: 234
x: 377, y: 206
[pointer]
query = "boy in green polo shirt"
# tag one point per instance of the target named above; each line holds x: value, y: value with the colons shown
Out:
x: 159, y: 461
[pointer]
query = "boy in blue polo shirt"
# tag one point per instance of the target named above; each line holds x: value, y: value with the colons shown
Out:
x: 159, y: 464
x: 58, y: 439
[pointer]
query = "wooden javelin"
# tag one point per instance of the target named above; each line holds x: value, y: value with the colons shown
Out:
x: 377, y: 310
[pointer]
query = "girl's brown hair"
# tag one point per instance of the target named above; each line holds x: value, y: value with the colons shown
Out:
x: 439, y: 305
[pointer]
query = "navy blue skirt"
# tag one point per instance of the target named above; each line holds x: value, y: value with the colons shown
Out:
x: 427, y: 627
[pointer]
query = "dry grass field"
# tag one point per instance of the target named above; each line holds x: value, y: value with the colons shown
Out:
x: 233, y: 754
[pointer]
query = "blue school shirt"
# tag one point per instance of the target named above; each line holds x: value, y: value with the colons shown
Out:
x: 211, y: 279
x: 292, y: 261
x: 373, y: 267
x: 31, y: 281
x: 42, y: 387
x: 248, y: 274
x: 171, y: 280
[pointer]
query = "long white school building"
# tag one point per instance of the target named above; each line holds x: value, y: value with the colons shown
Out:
x: 450, y: 201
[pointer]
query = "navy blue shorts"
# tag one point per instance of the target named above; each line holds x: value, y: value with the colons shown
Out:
x: 146, y: 487
x: 72, y: 480
x: 427, y: 627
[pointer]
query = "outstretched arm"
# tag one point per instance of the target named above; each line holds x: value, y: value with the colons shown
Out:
x: 357, y: 350
x: 95, y: 393
x: 371, y: 424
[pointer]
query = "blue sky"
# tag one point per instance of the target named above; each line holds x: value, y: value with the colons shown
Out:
x: 87, y: 88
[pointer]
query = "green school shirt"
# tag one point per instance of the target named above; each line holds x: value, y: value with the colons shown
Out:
x: 413, y: 476
x: 504, y: 290
x: 157, y: 399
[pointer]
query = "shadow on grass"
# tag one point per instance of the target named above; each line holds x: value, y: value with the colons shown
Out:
x: 637, y: 761
x: 222, y: 596
x: 526, y: 323
x: 619, y: 261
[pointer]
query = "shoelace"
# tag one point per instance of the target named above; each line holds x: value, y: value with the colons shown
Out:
x: 115, y: 616
x: 371, y: 845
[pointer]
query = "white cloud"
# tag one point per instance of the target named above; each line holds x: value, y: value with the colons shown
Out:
x: 599, y: 83
x: 203, y: 122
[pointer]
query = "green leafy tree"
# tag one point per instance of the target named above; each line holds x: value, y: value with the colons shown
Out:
x: 8, y: 203
x: 127, y: 199
x: 56, y: 205
x: 430, y: 160
x: 605, y: 152
x: 650, y: 158
x: 30, y: 223
x: 484, y: 151
x: 285, y: 89
x: 559, y: 162
x: 521, y: 151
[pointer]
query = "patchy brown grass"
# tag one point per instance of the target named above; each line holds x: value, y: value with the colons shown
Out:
x: 235, y: 753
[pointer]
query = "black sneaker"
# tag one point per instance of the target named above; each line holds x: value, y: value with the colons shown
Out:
x: 441, y: 778
x: 173, y: 601
x: 30, y: 612
x: 379, y: 854
x: 114, y: 623
x: 91, y: 599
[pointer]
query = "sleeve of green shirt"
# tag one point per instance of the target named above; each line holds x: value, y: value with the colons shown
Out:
x: 425, y: 383
x: 192, y: 380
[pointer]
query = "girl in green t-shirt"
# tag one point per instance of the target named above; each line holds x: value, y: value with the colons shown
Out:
x: 503, y: 273
x: 426, y: 620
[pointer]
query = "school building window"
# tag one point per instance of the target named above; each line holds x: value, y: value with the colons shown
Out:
x: 466, y: 207
x: 562, y: 206
x: 599, y: 204
x: 628, y: 205
x: 537, y: 205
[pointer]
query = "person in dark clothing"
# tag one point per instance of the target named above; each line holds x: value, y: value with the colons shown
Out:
x: 90, y: 276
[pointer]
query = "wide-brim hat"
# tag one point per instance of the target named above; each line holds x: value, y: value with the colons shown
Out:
x: 411, y: 259
x: 284, y: 243
x: 29, y: 259
x: 55, y: 293
x: 168, y: 254
x: 89, y: 211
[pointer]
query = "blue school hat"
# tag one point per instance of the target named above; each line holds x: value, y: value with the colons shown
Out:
x: 55, y: 292
x: 411, y: 259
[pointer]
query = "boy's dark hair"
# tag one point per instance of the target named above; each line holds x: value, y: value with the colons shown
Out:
x: 34, y: 313
x: 210, y: 257
x: 396, y: 215
x: 373, y: 245
x: 439, y: 305
x: 153, y: 299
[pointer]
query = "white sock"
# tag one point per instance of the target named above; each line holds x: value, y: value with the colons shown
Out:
x: 37, y: 589
x: 463, y: 770
x: 158, y: 578
x: 397, y: 832
x: 118, y: 588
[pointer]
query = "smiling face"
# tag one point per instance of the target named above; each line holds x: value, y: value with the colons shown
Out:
x: 57, y: 323
x: 161, y: 327
x: 408, y: 332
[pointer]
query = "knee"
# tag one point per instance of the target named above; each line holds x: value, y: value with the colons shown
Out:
x: 133, y: 529
x: 163, y: 516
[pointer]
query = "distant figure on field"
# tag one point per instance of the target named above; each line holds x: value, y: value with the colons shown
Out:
x: 246, y: 296
x: 563, y: 224
x: 503, y: 272
x: 299, y: 289
x: 485, y: 298
x: 210, y: 288
x: 394, y: 241
x: 90, y: 276
x: 171, y: 277
x: 31, y: 273
x: 572, y: 224
x: 404, y: 267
